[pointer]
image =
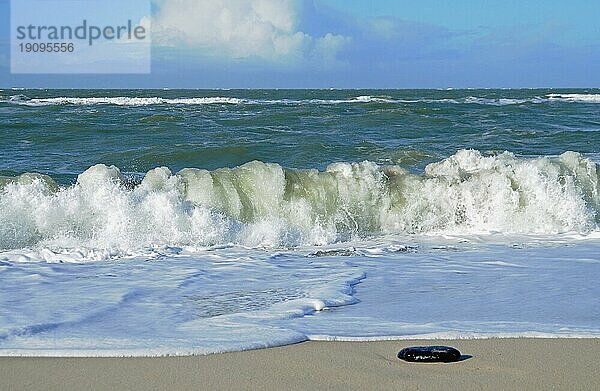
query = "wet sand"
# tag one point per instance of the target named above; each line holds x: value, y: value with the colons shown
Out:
x: 509, y: 364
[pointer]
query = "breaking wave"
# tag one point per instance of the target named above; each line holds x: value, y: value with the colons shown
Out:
x: 263, y: 204
x: 577, y: 98
x: 118, y: 101
x: 23, y: 100
x: 149, y: 101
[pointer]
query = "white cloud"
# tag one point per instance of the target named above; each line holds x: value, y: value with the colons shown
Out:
x: 239, y: 29
x: 328, y: 45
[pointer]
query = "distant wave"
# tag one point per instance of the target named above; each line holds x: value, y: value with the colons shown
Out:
x: 574, y: 98
x: 264, y: 204
x: 119, y: 101
x: 494, y: 101
x: 134, y: 101
x: 363, y: 99
x: 578, y: 98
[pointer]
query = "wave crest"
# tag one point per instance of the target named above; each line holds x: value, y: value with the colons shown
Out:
x: 24, y: 100
x: 264, y: 204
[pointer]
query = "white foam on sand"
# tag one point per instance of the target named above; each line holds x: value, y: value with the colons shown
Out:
x: 232, y: 298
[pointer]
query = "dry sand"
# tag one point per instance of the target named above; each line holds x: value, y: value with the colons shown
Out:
x: 497, y: 364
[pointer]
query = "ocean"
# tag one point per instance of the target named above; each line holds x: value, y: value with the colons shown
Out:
x: 174, y: 222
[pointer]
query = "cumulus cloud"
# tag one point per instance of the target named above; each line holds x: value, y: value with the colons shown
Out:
x: 327, y: 46
x: 239, y: 29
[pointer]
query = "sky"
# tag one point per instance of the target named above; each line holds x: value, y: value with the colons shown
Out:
x: 354, y: 44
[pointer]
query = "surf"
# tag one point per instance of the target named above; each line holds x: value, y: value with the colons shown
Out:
x: 265, y: 204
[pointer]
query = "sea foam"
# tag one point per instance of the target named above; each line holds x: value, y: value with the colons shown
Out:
x: 119, y: 101
x: 577, y: 98
x: 263, y: 204
x: 23, y: 100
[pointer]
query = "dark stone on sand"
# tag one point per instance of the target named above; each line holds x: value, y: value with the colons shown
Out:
x: 429, y: 354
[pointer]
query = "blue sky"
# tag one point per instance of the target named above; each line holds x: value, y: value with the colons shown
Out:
x: 354, y: 44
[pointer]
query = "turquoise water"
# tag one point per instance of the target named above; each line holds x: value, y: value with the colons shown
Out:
x: 150, y: 222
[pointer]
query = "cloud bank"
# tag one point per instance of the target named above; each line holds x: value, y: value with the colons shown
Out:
x: 266, y: 29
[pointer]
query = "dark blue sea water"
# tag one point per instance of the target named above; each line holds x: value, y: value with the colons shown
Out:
x: 63, y: 132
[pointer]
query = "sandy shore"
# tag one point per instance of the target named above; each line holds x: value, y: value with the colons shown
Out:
x: 515, y: 364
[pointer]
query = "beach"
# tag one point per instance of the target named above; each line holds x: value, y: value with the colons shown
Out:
x: 286, y: 195
x: 520, y: 363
